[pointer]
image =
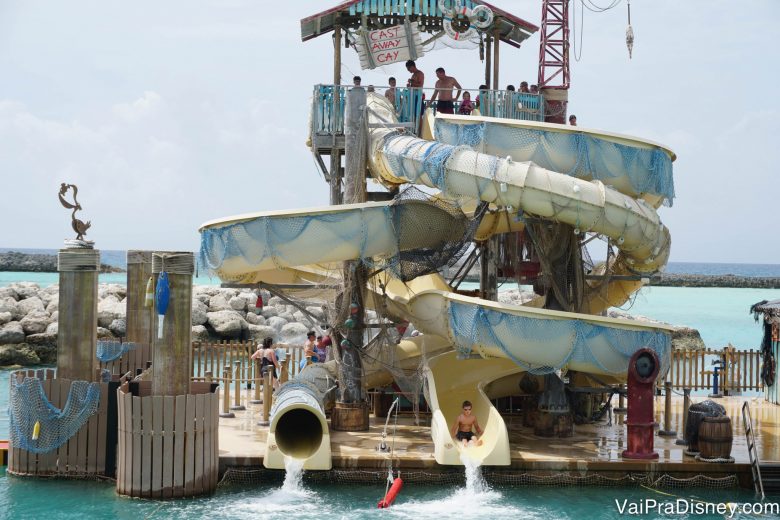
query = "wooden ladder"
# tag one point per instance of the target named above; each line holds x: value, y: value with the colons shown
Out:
x: 755, y: 465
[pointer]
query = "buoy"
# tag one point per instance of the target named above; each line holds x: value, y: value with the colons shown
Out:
x: 391, y: 493
x: 149, y: 300
x: 163, y: 298
x: 354, y: 308
x: 350, y: 323
x: 36, y: 430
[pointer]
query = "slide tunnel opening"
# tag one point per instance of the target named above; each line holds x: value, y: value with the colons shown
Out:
x: 299, y: 433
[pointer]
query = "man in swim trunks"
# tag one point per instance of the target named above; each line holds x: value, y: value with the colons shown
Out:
x: 443, y: 92
x: 464, y: 424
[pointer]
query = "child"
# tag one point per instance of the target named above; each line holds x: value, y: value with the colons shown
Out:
x: 463, y: 425
x: 466, y: 106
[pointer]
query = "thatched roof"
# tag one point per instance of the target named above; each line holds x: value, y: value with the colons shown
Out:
x: 767, y: 308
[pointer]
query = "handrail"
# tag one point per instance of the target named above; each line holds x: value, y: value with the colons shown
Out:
x: 410, y: 104
x: 755, y: 464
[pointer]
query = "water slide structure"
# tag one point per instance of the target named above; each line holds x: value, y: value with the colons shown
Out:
x: 529, y: 176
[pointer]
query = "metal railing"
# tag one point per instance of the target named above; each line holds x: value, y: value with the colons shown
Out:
x: 410, y: 103
x: 755, y: 463
x: 738, y: 370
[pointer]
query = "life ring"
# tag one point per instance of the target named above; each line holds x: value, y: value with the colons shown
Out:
x: 481, y: 16
x: 478, y: 18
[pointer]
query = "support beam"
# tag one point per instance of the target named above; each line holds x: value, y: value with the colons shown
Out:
x: 496, y: 41
x: 488, y: 59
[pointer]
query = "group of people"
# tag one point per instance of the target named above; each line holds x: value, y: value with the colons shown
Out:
x: 447, y: 92
x: 315, y: 348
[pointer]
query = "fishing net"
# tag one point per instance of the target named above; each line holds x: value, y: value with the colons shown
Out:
x: 608, y: 349
x: 245, y: 476
x: 29, y: 405
x: 108, y: 351
x: 648, y: 169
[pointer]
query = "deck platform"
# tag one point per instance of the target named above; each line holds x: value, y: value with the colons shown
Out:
x: 594, y: 448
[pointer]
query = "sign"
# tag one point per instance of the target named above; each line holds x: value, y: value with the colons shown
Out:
x: 389, y: 45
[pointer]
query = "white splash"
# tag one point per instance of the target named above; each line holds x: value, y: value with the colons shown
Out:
x: 293, y: 476
x: 475, y: 484
x: 291, y: 498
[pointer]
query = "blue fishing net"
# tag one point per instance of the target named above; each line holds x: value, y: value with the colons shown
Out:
x: 606, y: 348
x: 108, y: 351
x: 648, y: 169
x: 28, y: 404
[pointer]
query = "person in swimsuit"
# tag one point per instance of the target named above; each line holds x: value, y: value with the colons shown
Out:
x: 444, y: 86
x: 268, y: 361
x: 462, y: 429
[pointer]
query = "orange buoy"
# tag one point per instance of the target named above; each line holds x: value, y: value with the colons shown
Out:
x: 391, y: 493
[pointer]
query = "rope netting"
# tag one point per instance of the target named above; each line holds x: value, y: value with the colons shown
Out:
x: 578, y: 154
x: 559, y: 341
x: 243, y: 476
x: 414, y: 235
x: 108, y: 351
x: 28, y: 406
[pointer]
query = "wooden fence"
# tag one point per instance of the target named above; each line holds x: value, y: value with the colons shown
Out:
x: 694, y: 369
x: 130, y: 361
x: 87, y: 453
x: 215, y: 357
x: 168, y: 445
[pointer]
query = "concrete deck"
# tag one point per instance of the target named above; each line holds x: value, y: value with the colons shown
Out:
x: 594, y: 447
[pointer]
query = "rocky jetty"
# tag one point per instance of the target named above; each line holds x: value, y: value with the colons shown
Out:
x: 34, y: 263
x: 29, y: 314
x: 724, y: 280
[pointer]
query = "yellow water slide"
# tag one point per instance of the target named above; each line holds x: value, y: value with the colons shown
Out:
x: 467, y: 343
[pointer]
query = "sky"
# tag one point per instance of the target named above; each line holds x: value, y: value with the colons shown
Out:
x: 170, y: 114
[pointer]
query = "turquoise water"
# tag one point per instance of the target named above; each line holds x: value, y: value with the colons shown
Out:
x: 22, y: 498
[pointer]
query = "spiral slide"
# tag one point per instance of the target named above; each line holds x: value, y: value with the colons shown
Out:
x: 490, y: 340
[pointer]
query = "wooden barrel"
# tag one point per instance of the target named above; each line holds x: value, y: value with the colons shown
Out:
x: 715, y: 438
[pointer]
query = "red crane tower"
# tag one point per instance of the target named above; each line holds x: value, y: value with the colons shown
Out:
x: 554, y: 78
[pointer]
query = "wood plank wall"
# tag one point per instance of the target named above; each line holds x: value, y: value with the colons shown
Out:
x: 131, y: 361
x: 83, y: 455
x: 168, y: 445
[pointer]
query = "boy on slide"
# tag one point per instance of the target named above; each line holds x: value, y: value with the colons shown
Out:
x: 464, y: 424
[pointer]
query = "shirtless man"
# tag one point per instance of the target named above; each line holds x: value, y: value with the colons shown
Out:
x: 390, y: 93
x: 444, y: 86
x: 464, y: 424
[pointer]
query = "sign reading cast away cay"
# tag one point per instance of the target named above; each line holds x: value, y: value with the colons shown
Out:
x: 389, y: 45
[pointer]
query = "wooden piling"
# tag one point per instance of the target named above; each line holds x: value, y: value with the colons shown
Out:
x: 226, y: 413
x: 139, y: 316
x: 237, y: 386
x: 77, y: 314
x: 667, y: 431
x: 257, y: 374
x: 173, y: 352
x: 267, y: 398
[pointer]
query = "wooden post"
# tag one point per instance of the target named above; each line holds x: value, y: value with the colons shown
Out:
x: 209, y: 376
x: 686, y: 405
x: 496, y: 41
x: 267, y: 398
x: 488, y: 273
x: 285, y: 374
x: 351, y: 410
x: 77, y: 314
x: 237, y: 386
x: 257, y: 375
x: 335, y: 152
x: 488, y: 61
x: 173, y: 352
x: 621, y: 400
x: 139, y: 316
x: 667, y: 431
x: 226, y: 394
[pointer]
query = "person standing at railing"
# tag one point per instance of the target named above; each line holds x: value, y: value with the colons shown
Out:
x: 390, y: 93
x: 534, y: 90
x: 466, y: 106
x: 443, y: 91
x: 482, y: 101
x: 572, y: 120
x: 523, y: 88
x: 268, y: 361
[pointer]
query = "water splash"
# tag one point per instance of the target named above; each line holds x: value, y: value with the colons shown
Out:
x: 293, y: 477
x: 475, y: 484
